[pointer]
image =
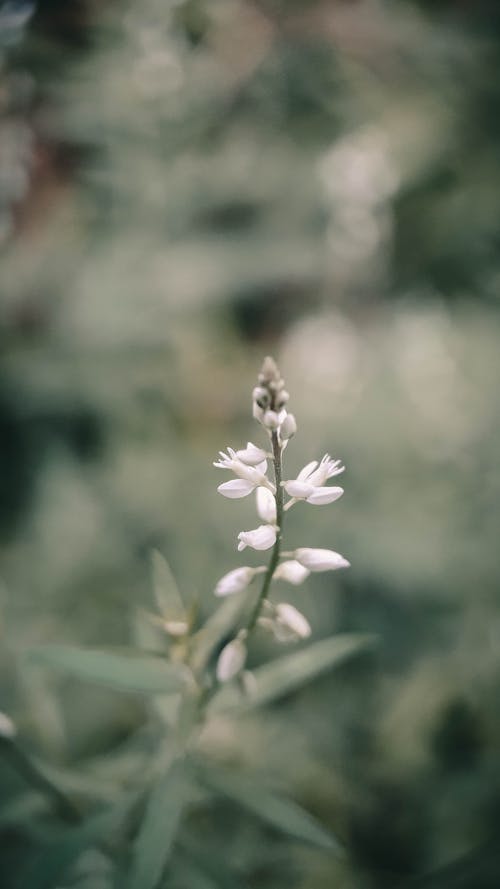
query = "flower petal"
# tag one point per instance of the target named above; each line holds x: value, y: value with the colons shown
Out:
x: 252, y: 455
x: 237, y: 487
x: 306, y: 471
x: 300, y: 490
x: 292, y: 571
x: 320, y: 496
x: 262, y: 537
x: 266, y: 505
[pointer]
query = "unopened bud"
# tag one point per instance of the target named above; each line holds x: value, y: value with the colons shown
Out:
x: 288, y: 427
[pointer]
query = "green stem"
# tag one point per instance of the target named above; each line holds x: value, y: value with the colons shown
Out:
x: 275, y: 554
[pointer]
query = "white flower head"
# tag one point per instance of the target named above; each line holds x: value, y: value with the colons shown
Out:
x: 320, y: 559
x: 255, y: 473
x: 266, y: 505
x: 231, y: 660
x: 263, y: 537
x: 310, y: 483
x: 291, y: 571
x: 234, y: 581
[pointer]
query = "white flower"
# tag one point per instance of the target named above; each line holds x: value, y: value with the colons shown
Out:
x: 255, y: 475
x: 262, y: 537
x: 320, y: 559
x: 231, y: 660
x: 251, y: 455
x: 266, y: 505
x: 234, y: 581
x: 292, y: 571
x: 310, y: 483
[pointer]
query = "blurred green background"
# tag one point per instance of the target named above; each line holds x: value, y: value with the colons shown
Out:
x: 186, y: 187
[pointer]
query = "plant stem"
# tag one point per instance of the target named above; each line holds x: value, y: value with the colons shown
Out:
x: 275, y: 554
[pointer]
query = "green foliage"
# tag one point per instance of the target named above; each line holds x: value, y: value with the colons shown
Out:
x: 129, y: 671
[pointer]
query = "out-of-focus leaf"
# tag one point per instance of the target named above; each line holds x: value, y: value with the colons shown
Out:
x: 290, y: 672
x: 217, y: 628
x: 205, y: 867
x: 166, y: 591
x: 274, y: 809
x: 47, y: 867
x: 131, y: 672
x: 156, y: 836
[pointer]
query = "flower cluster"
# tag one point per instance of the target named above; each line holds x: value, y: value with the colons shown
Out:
x: 249, y: 465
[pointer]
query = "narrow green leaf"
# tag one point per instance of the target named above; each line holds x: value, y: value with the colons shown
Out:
x: 217, y: 628
x: 123, y: 672
x: 156, y: 836
x: 166, y: 591
x: 288, y: 673
x: 283, y: 814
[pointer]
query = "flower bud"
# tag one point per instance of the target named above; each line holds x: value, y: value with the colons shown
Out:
x: 320, y: 559
x: 291, y: 571
x: 234, y: 581
x: 231, y: 660
x: 266, y: 505
x: 291, y: 619
x: 288, y: 427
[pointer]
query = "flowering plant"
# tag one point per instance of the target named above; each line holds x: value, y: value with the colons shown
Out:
x: 194, y: 672
x: 249, y: 465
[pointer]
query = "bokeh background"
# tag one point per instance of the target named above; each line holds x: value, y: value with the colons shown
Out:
x: 186, y: 187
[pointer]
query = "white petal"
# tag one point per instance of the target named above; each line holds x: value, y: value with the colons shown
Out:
x: 321, y: 496
x: 234, y: 581
x: 292, y: 571
x: 237, y: 487
x: 306, y: 471
x: 297, y: 489
x: 262, y: 537
x: 231, y: 660
x: 252, y: 455
x: 320, y: 559
x: 271, y: 419
x: 266, y: 505
x: 293, y: 620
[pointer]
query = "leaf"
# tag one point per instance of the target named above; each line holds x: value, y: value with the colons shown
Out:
x: 46, y: 867
x: 131, y: 672
x: 166, y: 591
x: 274, y: 809
x: 157, y: 833
x: 288, y: 673
x: 216, y: 630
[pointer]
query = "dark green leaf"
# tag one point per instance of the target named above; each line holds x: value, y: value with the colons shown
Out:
x: 158, y: 829
x: 274, y: 809
x: 123, y: 672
